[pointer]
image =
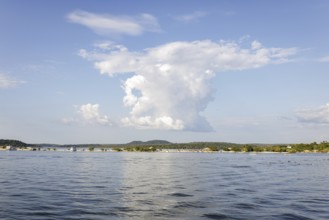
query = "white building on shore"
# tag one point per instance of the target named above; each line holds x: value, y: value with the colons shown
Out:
x: 11, y: 148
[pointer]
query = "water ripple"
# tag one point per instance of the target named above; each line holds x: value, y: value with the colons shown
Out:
x: 97, y: 186
x: 180, y: 195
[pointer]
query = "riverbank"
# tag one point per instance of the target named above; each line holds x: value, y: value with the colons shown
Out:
x: 110, y: 150
x: 165, y: 146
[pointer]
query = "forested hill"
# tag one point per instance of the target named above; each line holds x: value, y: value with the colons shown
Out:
x: 16, y: 143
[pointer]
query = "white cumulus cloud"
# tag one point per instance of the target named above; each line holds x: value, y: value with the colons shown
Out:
x: 106, y: 24
x: 171, y: 83
x: 8, y: 82
x: 88, y: 114
x: 316, y: 115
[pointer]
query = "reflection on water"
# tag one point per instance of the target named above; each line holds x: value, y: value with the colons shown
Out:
x: 82, y: 185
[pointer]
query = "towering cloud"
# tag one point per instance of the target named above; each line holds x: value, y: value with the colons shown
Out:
x: 171, y: 84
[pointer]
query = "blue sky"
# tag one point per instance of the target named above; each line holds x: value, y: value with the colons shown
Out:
x: 117, y: 71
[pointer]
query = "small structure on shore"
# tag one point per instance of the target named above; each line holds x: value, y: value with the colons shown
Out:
x: 11, y: 148
x: 73, y: 149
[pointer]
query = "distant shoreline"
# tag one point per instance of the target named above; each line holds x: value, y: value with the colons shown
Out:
x: 165, y: 146
x: 100, y: 150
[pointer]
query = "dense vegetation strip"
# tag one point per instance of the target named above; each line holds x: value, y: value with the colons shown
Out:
x: 160, y: 145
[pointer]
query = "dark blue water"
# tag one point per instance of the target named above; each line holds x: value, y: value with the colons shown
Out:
x: 82, y: 185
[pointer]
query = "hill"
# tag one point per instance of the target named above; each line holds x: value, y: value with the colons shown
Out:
x: 16, y: 143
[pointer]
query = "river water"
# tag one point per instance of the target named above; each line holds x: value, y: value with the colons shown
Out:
x: 84, y: 185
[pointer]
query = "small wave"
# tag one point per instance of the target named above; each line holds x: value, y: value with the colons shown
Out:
x: 247, y: 206
x: 123, y: 209
x: 290, y: 216
x: 140, y: 193
x: 145, y: 202
x: 189, y: 205
x: 216, y: 216
x: 180, y: 195
x: 240, y: 166
x: 315, y: 201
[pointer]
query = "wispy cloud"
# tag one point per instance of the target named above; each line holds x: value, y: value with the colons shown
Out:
x: 8, y: 82
x: 229, y: 13
x: 324, y: 59
x: 314, y: 115
x: 106, y: 24
x: 171, y: 84
x: 109, y: 45
x: 195, y: 16
x: 88, y: 114
x: 43, y: 67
